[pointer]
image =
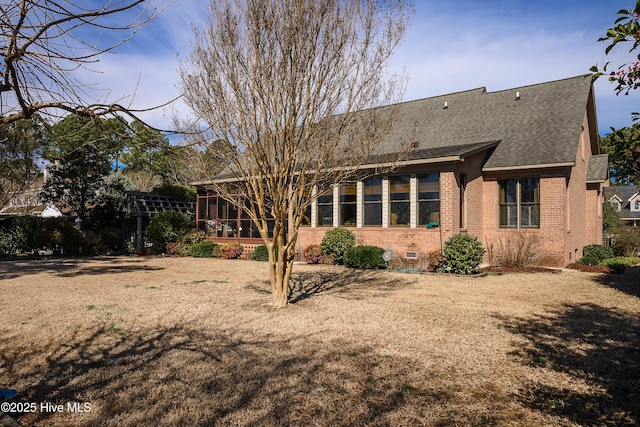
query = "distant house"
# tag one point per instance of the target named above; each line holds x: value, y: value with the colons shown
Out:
x: 489, y: 164
x: 625, y: 200
x: 28, y: 202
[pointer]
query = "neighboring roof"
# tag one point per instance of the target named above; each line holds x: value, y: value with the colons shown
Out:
x: 598, y: 168
x: 149, y: 204
x: 542, y: 127
x: 623, y: 193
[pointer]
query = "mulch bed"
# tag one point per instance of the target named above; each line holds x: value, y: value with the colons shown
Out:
x: 494, y: 269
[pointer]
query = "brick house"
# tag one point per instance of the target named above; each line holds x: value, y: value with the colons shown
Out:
x: 523, y: 160
x: 625, y: 200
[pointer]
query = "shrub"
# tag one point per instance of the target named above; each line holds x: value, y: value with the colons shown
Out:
x: 229, y: 250
x: 364, y: 257
x: 260, y: 253
x: 60, y: 235
x: 312, y: 254
x: 593, y: 254
x: 202, y: 249
x: 626, y: 241
x: 463, y: 254
x: 514, y: 250
x: 168, y: 227
x: 110, y: 238
x: 178, y: 248
x: 335, y: 243
x: 618, y: 264
x: 433, y: 261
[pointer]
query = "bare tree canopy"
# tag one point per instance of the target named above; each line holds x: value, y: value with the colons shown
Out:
x: 44, y: 44
x: 282, y: 82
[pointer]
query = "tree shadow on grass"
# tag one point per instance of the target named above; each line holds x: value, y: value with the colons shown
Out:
x: 69, y: 267
x: 349, y: 282
x: 590, y: 343
x: 184, y: 376
x: 628, y: 282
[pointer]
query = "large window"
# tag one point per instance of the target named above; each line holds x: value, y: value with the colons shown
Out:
x: 399, y: 202
x: 372, y: 201
x: 429, y: 199
x: 347, y: 205
x: 325, y: 209
x: 520, y: 203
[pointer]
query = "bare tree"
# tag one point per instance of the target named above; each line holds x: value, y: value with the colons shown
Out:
x: 285, y: 83
x: 43, y: 45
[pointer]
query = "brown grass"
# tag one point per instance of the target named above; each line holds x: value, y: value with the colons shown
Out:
x: 181, y: 341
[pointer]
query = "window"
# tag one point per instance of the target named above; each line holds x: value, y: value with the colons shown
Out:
x: 347, y: 205
x: 325, y: 209
x: 220, y: 218
x: 463, y: 200
x: 399, y: 200
x: 372, y: 201
x: 616, y: 205
x: 429, y: 200
x: 520, y: 203
x: 636, y: 205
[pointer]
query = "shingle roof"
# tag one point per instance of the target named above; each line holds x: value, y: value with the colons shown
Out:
x: 598, y: 168
x: 624, y: 193
x: 542, y: 127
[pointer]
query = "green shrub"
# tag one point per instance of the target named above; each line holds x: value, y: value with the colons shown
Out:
x: 60, y: 235
x: 593, y: 254
x: 364, y: 257
x: 618, y: 264
x: 463, y: 254
x: 202, y: 249
x: 229, y: 250
x: 110, y: 238
x: 335, y: 243
x: 313, y: 254
x: 260, y: 253
x: 168, y: 227
x: 626, y: 241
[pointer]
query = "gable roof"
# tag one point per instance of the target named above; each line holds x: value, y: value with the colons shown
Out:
x: 540, y: 127
x: 623, y: 193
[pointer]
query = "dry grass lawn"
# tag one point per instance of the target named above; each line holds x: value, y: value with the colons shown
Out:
x: 182, y: 341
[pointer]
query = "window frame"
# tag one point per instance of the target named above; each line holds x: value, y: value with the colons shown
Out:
x: 518, y: 204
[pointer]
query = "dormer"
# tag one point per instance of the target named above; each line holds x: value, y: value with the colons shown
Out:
x: 634, y: 202
x: 616, y: 203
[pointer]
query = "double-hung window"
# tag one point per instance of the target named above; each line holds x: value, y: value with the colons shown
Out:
x: 372, y: 201
x: 347, y: 205
x: 520, y: 203
x: 399, y: 202
x: 325, y: 209
x: 429, y: 199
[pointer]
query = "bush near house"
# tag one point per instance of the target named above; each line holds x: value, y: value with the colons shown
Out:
x: 626, y: 241
x: 619, y: 264
x: 364, y: 257
x: 202, y: 249
x: 514, y: 250
x: 261, y: 253
x: 335, y: 243
x: 229, y: 250
x: 462, y: 253
x: 432, y: 262
x: 313, y: 254
x: 594, y: 254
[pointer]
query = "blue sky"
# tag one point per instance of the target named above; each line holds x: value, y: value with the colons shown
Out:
x: 450, y: 46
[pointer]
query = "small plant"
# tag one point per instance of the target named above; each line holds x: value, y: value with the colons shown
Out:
x: 433, y: 261
x: 335, y: 243
x: 463, y: 254
x: 594, y: 254
x: 230, y: 250
x: 178, y: 248
x: 364, y: 257
x: 168, y: 227
x: 260, y: 253
x: 514, y: 250
x: 202, y: 249
x: 619, y: 264
x: 312, y: 254
x: 626, y: 241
